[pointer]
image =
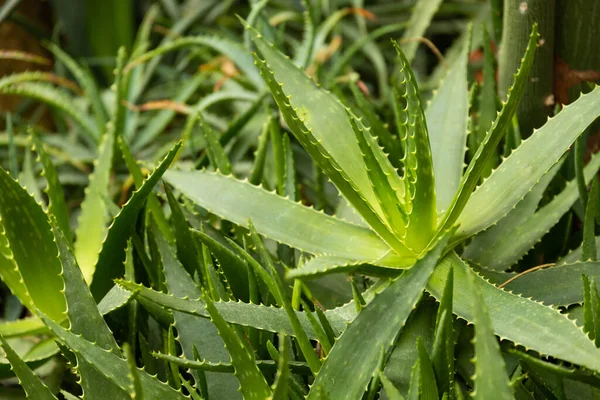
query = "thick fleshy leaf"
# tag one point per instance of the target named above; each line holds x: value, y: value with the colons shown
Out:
x: 442, y: 354
x: 527, y: 164
x: 320, y: 123
x: 492, y: 251
x: 57, y: 206
x: 520, y: 320
x: 252, y: 381
x: 193, y: 331
x: 418, y: 164
x: 490, y: 377
x: 28, y: 251
x: 29, y: 381
x: 110, y: 365
x: 447, y: 116
x: 112, y: 255
x: 261, y: 317
x: 349, y: 366
x: 93, y: 219
x: 489, y: 146
x: 276, y: 217
x: 86, y: 320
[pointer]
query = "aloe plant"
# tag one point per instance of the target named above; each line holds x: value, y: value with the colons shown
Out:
x: 254, y: 278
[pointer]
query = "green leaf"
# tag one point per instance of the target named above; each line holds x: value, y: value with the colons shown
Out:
x: 216, y: 153
x: 490, y: 251
x: 390, y: 143
x: 463, y: 199
x: 91, y: 228
x: 442, y: 354
x: 59, y: 100
x: 447, y: 117
x: 275, y: 217
x: 557, y: 286
x: 272, y: 280
x: 490, y: 377
x: 515, y: 318
x: 186, y: 247
x: 349, y: 366
x: 260, y: 156
x: 57, y: 206
x: 527, y: 164
x: 280, y: 386
x: 420, y: 19
x: 233, y: 267
x: 86, y: 81
x: 591, y: 309
x: 153, y: 205
x: 395, y: 215
x: 487, y: 100
x: 327, y: 136
x: 252, y: 381
x: 86, y: 320
x: 271, y: 319
x: 193, y: 331
x: 112, y: 255
x: 428, y: 389
x: 591, y: 212
x: 114, y: 299
x: 28, y: 251
x: 29, y: 381
x: 109, y: 364
x: 390, y: 390
x: 27, y: 326
x: 304, y: 54
x: 418, y: 164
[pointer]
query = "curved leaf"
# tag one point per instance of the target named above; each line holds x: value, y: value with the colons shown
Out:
x: 520, y: 320
x: 276, y: 217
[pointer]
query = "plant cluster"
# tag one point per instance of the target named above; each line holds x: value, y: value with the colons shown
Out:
x: 291, y: 234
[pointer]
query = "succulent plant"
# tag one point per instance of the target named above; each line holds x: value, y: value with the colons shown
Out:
x: 210, y: 288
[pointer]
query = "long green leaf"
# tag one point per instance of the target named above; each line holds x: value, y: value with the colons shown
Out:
x: 276, y: 217
x: 447, y: 116
x: 349, y: 366
x: 29, y: 381
x: 252, y: 381
x: 92, y: 221
x: 86, y: 320
x: 111, y: 365
x: 490, y: 371
x: 520, y: 320
x: 314, y: 115
x: 112, y: 255
x: 28, y: 251
x: 57, y: 206
x: 193, y: 331
x: 265, y: 318
x: 462, y: 199
x: 418, y: 165
x: 59, y: 100
x: 490, y: 251
x: 527, y: 164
